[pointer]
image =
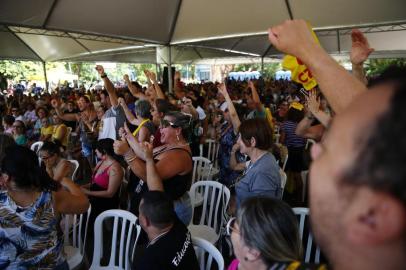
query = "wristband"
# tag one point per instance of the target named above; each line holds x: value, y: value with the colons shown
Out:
x: 104, y: 75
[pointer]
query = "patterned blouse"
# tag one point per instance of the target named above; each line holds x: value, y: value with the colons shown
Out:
x: 29, y: 237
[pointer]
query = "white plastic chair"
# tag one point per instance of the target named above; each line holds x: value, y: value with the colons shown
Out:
x: 284, y: 162
x: 201, y: 248
x: 126, y: 241
x: 213, y: 151
x: 201, y: 169
x: 215, y: 201
x: 36, y: 146
x: 309, y: 143
x: 303, y: 212
x: 75, y: 163
x: 284, y: 178
x: 74, y: 245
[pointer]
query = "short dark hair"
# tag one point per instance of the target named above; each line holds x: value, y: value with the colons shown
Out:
x: 259, y: 129
x: 51, y: 147
x: 158, y: 208
x: 380, y: 162
x: 8, y: 119
x: 105, y: 93
x: 294, y: 115
x: 105, y: 147
x: 162, y: 105
x: 21, y: 164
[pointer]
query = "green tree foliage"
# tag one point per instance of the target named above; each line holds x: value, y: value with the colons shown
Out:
x: 377, y: 66
x: 269, y: 68
x: 21, y: 70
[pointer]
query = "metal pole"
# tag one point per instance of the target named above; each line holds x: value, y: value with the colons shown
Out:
x: 45, y: 76
x: 262, y: 66
x: 170, y: 81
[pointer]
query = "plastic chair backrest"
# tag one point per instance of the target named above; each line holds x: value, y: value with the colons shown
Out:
x: 75, y: 169
x: 203, y: 247
x: 215, y: 201
x: 124, y: 224
x: 213, y: 151
x: 303, y: 213
x: 73, y: 229
x: 36, y: 146
x: 202, y: 168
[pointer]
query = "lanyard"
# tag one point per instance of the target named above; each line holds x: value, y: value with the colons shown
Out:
x: 140, y: 126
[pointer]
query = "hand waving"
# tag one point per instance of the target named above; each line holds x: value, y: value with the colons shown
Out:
x: 360, y: 49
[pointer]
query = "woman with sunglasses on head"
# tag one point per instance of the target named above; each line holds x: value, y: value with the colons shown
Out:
x: 56, y: 166
x: 173, y: 162
x: 265, y: 235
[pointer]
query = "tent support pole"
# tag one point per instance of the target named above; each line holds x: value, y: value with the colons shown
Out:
x: 45, y: 75
x: 170, y: 81
x: 262, y: 66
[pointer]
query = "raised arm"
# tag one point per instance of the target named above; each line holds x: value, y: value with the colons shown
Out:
x: 360, y: 50
x: 108, y: 85
x: 64, y: 116
x: 133, y: 89
x: 154, y: 181
x: 231, y: 109
x: 313, y: 105
x: 234, y: 165
x: 128, y: 114
x: 255, y: 96
x: 158, y: 90
x: 337, y: 85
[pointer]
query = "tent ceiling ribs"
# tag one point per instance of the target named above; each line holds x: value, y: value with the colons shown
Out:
x: 36, y: 54
x: 174, y: 22
x: 80, y: 43
x: 289, y: 9
x: 51, y: 9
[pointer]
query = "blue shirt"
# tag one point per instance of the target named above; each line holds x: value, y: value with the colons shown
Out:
x: 261, y: 178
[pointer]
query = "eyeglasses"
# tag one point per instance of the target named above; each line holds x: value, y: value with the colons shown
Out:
x: 231, y: 226
x: 46, y: 157
x: 165, y: 123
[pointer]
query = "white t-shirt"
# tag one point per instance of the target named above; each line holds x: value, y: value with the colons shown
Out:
x: 202, y: 114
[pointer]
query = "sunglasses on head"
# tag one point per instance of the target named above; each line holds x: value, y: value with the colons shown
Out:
x: 230, y: 227
x: 165, y: 123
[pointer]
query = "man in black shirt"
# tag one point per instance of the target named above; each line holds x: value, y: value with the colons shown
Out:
x: 170, y: 244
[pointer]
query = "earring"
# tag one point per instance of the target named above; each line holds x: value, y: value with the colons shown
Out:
x: 177, y: 137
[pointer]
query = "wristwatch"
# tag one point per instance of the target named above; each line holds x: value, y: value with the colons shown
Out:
x: 104, y: 75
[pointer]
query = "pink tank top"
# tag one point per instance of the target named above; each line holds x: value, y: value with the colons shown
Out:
x: 234, y: 265
x: 101, y: 179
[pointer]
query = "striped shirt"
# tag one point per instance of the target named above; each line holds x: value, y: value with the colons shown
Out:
x: 291, y: 139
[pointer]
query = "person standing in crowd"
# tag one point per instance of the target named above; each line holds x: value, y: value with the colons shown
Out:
x: 357, y: 187
x: 30, y: 203
x: 114, y: 118
x: 71, y: 108
x: 173, y: 163
x: 170, y: 243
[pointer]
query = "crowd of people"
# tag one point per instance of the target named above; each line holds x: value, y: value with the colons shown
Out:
x: 357, y: 192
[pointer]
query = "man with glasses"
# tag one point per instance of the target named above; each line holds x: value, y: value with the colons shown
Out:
x: 170, y: 243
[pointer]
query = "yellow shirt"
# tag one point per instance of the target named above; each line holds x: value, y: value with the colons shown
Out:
x: 47, y: 130
x: 57, y: 134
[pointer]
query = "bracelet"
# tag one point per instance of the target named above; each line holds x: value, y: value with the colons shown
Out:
x: 129, y: 156
x: 104, y: 75
x: 131, y: 159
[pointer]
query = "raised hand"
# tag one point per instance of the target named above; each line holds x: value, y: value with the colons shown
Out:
x: 360, y: 49
x: 147, y: 149
x: 223, y: 89
x: 121, y: 101
x: 100, y: 69
x: 121, y: 147
x: 312, y: 102
x: 177, y: 76
x: 292, y: 37
x: 152, y: 76
x: 55, y: 103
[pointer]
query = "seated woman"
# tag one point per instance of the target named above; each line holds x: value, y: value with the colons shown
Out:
x: 103, y: 191
x: 19, y: 133
x: 60, y: 131
x: 261, y: 175
x: 173, y: 163
x: 265, y: 235
x: 46, y: 130
x: 30, y: 203
x: 42, y: 113
x: 8, y: 121
x: 56, y: 166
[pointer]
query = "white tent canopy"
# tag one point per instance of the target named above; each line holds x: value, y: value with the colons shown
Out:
x: 136, y: 30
